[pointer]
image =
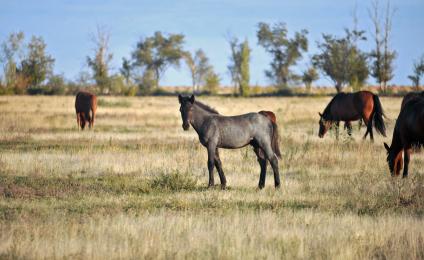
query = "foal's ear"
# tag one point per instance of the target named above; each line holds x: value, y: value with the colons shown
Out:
x: 387, y: 147
x: 192, y: 99
x: 319, y: 113
x: 180, y: 98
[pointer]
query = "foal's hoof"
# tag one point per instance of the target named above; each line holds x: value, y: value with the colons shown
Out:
x: 261, y: 186
x: 277, y: 186
x: 223, y: 186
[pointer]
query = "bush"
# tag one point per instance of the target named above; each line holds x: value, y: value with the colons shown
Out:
x: 174, y: 181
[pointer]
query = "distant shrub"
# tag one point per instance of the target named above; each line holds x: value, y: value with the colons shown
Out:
x: 174, y: 181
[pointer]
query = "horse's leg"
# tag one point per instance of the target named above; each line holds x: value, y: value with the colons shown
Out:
x: 367, y: 117
x: 371, y: 133
x: 82, y: 120
x: 211, y: 164
x: 218, y: 166
x: 367, y: 123
x: 348, y: 126
x: 92, y: 118
x: 406, y: 158
x: 262, y: 163
x: 272, y: 158
x: 337, y: 129
x: 88, y: 116
x: 78, y: 121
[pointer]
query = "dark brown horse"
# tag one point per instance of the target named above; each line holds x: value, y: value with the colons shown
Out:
x: 410, y: 96
x: 84, y: 104
x: 351, y: 107
x: 408, y: 133
x: 216, y: 131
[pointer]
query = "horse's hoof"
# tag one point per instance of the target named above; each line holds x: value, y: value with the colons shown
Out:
x: 277, y: 186
x: 261, y: 186
x: 223, y: 187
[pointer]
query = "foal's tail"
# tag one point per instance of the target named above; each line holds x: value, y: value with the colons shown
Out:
x: 274, y: 137
x: 378, y: 116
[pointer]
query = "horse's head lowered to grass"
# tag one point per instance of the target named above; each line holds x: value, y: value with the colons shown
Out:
x: 394, y: 159
x: 324, y: 125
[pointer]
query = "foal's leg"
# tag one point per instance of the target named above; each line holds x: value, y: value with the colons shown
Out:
x: 262, y: 163
x: 211, y: 164
x: 407, y: 155
x: 218, y: 166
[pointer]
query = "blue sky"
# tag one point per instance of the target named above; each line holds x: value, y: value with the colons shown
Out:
x: 66, y: 27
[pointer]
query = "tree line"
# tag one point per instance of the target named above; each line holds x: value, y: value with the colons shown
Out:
x: 28, y: 68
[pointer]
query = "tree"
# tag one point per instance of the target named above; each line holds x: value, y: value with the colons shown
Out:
x: 418, y: 72
x: 99, y: 63
x: 341, y: 60
x: 309, y: 76
x: 126, y: 70
x: 157, y: 53
x: 199, y: 68
x: 285, y: 52
x: 37, y: 65
x: 383, y: 57
x: 212, y: 82
x: 11, y: 49
x: 239, y: 65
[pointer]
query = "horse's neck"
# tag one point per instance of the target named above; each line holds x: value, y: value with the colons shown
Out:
x: 199, y: 116
x: 396, y: 141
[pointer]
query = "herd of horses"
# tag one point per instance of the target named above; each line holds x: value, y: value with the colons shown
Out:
x: 260, y: 129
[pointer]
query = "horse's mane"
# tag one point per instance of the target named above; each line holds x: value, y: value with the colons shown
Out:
x: 326, y: 114
x: 205, y: 107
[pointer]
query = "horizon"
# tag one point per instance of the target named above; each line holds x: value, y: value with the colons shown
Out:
x: 66, y: 27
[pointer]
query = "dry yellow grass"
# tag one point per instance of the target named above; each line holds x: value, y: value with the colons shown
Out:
x: 135, y: 186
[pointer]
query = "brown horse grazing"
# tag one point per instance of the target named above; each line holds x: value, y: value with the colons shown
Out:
x: 408, y: 133
x: 231, y: 132
x: 410, y: 96
x: 84, y: 103
x: 351, y: 107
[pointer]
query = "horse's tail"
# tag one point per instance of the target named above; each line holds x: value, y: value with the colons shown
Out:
x: 274, y: 136
x: 378, y: 114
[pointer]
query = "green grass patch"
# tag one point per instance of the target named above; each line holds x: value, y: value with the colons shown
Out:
x: 119, y: 103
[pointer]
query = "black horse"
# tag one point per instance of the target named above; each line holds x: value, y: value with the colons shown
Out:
x: 351, y: 107
x: 411, y: 95
x: 408, y: 133
x: 231, y: 132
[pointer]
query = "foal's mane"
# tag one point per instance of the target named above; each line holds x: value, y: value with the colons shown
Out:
x: 205, y: 107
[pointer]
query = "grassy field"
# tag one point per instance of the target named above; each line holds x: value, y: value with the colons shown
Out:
x: 135, y: 187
